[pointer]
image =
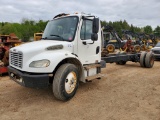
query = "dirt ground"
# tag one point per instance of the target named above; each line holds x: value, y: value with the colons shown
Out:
x: 124, y: 93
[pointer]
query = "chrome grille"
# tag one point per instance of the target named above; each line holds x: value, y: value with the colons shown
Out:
x: 16, y: 59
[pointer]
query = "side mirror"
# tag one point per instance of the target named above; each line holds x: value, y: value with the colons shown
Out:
x: 95, y: 26
x: 94, y: 36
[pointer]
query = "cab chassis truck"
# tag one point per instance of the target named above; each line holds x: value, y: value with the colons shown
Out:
x: 69, y: 52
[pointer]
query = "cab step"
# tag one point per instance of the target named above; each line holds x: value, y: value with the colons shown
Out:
x: 87, y: 67
x: 97, y: 76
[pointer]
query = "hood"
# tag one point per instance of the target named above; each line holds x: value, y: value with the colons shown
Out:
x: 29, y: 50
x: 39, y: 45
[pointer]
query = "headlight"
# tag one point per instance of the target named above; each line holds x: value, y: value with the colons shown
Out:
x: 40, y: 63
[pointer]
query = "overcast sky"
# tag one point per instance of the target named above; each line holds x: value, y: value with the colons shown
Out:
x: 137, y: 12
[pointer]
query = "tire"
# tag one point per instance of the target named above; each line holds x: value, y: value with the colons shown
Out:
x: 142, y: 59
x: 121, y: 62
x: 149, y: 60
x: 65, y: 82
x: 117, y: 63
x: 104, y: 52
x: 137, y: 48
x: 110, y: 48
x: 117, y: 53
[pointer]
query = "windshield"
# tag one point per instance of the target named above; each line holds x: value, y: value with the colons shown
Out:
x: 158, y: 44
x: 62, y: 29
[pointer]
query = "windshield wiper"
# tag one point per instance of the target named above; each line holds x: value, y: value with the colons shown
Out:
x: 57, y: 36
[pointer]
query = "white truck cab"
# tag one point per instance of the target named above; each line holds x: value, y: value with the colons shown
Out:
x: 69, y: 52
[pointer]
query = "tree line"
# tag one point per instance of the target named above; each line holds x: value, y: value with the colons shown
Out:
x: 26, y: 29
x: 119, y: 26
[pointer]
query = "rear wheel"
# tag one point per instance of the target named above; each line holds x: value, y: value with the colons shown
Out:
x: 65, y: 82
x: 121, y: 62
x: 149, y: 60
x: 142, y: 59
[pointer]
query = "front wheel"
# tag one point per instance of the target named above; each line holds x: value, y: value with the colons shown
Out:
x: 65, y: 82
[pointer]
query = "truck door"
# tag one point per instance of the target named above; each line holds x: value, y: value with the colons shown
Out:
x: 88, y: 51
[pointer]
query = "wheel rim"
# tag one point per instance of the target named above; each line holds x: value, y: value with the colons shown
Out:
x: 70, y: 82
x: 110, y: 48
x: 137, y: 49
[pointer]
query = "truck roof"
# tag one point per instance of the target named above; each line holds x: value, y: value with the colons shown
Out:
x: 73, y: 14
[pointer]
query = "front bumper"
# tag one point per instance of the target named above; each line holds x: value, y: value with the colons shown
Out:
x: 29, y: 80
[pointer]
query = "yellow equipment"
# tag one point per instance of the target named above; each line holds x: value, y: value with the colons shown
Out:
x: 10, y: 39
x: 37, y: 36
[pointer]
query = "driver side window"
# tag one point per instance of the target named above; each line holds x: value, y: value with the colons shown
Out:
x: 86, y: 29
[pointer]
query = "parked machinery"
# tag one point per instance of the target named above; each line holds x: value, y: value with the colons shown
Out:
x: 147, y: 42
x: 112, y: 41
x: 37, y: 36
x: 6, y: 42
